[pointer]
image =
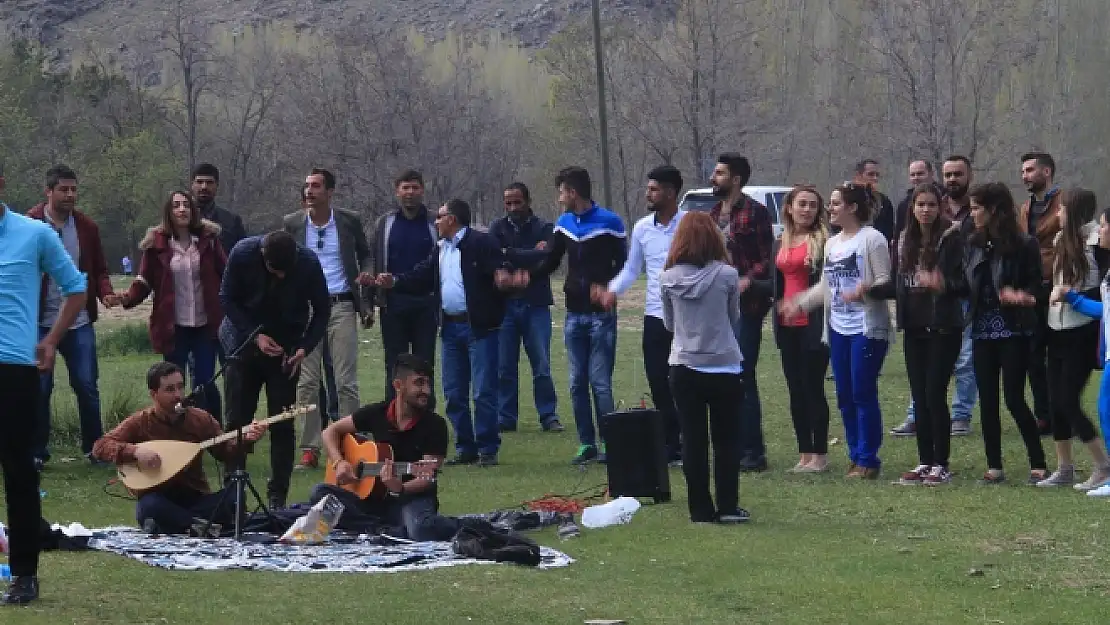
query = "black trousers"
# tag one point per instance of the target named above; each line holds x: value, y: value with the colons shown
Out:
x: 1038, y: 367
x: 1010, y: 359
x: 409, y: 331
x: 657, y: 349
x: 804, y: 368
x: 720, y: 395
x: 1070, y: 364
x: 930, y: 361
x: 19, y: 399
x: 243, y: 381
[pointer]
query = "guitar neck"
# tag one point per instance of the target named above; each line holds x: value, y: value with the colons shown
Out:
x: 374, y: 469
x: 229, y: 436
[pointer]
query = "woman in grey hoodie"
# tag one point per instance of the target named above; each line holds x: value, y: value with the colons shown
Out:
x: 701, y: 304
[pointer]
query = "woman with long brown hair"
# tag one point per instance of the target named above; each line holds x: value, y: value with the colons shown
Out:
x: 798, y: 256
x: 701, y: 304
x: 1070, y: 337
x: 928, y: 287
x: 182, y: 265
x: 857, y: 324
x: 1003, y: 268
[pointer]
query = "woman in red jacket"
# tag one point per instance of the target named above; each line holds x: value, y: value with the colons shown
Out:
x: 182, y: 265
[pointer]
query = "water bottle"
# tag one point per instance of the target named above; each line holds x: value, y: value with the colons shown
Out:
x: 5, y: 573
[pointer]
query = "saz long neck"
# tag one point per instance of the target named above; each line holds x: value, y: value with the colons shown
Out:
x: 229, y: 436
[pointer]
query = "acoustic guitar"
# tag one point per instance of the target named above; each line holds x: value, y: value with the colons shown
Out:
x: 176, y: 455
x: 367, y: 459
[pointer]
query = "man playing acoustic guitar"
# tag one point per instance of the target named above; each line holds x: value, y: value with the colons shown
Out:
x: 185, y: 500
x: 415, y: 435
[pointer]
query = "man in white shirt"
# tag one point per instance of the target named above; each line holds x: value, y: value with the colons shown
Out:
x: 651, y: 242
x: 339, y: 242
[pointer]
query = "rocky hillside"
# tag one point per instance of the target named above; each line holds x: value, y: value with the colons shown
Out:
x: 66, y: 25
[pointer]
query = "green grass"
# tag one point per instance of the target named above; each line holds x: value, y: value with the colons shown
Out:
x: 819, y: 550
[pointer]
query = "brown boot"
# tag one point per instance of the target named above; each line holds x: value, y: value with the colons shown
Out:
x: 854, y: 470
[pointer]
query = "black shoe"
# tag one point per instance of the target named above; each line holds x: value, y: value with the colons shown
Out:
x: 23, y: 590
x: 553, y: 426
x: 753, y: 465
x: 735, y: 517
x: 505, y: 427
x: 461, y: 459
x: 487, y: 460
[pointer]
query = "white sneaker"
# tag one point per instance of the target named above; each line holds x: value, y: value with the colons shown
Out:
x: 1098, y: 478
x: 1101, y: 491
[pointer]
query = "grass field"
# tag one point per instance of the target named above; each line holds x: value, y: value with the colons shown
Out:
x: 820, y: 549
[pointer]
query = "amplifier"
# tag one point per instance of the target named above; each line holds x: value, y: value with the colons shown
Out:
x: 636, y: 455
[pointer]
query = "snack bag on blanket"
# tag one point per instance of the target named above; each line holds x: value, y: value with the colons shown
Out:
x: 313, y: 528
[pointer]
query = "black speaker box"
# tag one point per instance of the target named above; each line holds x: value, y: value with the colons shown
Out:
x: 635, y: 451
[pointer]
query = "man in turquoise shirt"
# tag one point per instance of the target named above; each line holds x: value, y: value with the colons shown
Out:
x: 28, y: 249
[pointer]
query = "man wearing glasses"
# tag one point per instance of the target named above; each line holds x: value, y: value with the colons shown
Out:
x: 337, y: 239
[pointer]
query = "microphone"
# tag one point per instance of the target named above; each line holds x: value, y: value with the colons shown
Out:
x: 189, y: 401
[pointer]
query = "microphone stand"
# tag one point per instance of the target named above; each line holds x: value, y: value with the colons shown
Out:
x: 238, y: 480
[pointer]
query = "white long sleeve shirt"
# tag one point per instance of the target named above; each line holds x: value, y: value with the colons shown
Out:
x: 650, y: 243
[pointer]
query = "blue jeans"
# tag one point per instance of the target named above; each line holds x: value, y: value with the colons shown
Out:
x: 532, y: 325
x: 470, y: 362
x: 195, y: 352
x: 591, y: 341
x: 78, y: 349
x: 967, y: 393
x: 749, y: 335
x: 856, y: 362
x: 174, y: 509
x: 415, y: 517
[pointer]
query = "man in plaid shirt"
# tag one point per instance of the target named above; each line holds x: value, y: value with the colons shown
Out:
x: 746, y: 225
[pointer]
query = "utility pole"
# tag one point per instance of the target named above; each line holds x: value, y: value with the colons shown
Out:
x: 603, y: 117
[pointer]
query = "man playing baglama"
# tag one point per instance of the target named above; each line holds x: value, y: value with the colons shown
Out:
x: 185, y: 500
x: 415, y: 434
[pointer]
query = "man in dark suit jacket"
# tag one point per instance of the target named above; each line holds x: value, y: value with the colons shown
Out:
x: 337, y: 239
x: 467, y: 271
x: 276, y: 310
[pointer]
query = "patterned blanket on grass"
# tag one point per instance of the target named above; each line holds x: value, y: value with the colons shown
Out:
x: 346, y: 553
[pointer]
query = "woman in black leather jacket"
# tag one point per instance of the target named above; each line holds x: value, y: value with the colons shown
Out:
x: 1003, y: 268
x: 929, y: 283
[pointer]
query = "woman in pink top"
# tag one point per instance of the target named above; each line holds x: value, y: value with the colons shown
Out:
x: 798, y: 257
x: 182, y: 265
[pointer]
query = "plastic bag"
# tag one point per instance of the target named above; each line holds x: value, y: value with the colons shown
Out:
x: 616, y: 512
x: 313, y: 528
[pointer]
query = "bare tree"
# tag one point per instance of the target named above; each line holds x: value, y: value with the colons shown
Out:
x: 185, y: 38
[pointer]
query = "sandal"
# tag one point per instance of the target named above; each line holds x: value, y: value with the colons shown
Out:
x: 991, y: 479
x: 1038, y: 475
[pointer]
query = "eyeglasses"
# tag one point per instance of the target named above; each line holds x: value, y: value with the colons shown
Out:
x: 320, y: 241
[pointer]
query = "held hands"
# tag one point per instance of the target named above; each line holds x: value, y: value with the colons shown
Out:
x: 388, y: 479
x: 857, y: 295
x: 1059, y: 292
x: 365, y: 279
x: 745, y: 283
x: 1010, y: 296
x: 603, y: 297
x: 790, y: 308
x: 505, y: 279
x: 112, y: 300
x: 384, y: 281
x: 931, y: 280
x: 147, y: 459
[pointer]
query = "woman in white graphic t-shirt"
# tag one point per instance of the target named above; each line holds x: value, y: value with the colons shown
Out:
x: 857, y: 325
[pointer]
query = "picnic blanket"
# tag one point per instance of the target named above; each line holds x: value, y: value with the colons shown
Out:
x: 347, y: 553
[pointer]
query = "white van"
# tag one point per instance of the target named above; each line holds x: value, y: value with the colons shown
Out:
x: 771, y: 197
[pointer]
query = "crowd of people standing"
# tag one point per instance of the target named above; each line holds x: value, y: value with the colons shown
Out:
x: 984, y: 290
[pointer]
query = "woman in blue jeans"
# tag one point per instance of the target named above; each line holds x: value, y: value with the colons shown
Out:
x: 182, y: 265
x: 857, y: 326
